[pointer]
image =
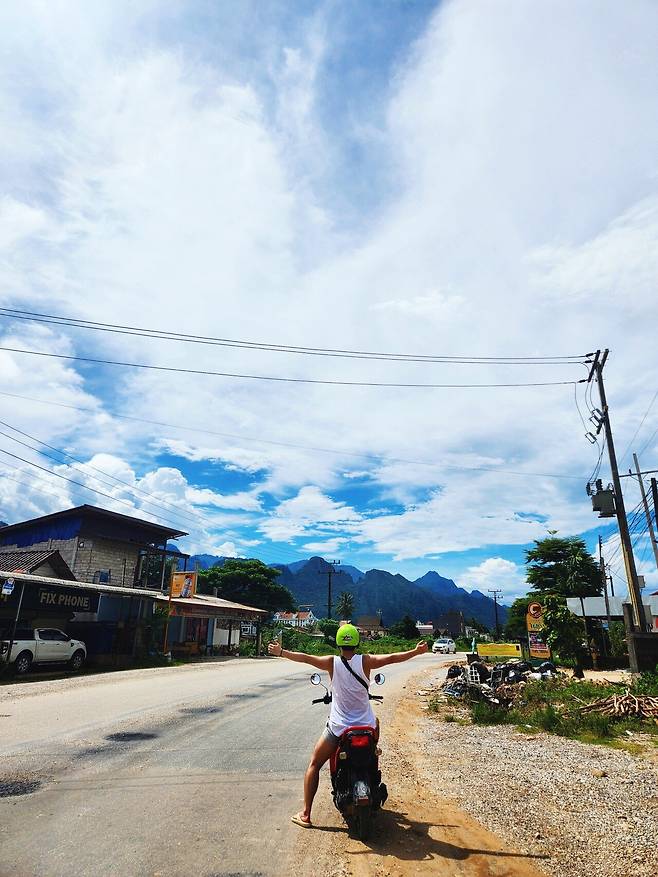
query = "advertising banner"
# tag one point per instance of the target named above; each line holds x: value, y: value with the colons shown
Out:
x: 499, y: 650
x: 183, y: 584
x: 535, y: 626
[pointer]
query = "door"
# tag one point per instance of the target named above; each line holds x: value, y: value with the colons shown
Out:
x: 53, y: 645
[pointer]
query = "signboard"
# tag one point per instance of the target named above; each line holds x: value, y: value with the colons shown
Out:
x: 499, y: 650
x: 8, y: 588
x: 535, y: 626
x: 67, y: 599
x: 538, y: 648
x: 183, y: 584
x: 535, y: 617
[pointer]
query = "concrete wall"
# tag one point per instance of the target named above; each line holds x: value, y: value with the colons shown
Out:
x: 86, y: 554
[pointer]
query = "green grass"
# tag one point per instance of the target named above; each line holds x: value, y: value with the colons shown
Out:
x: 554, y: 707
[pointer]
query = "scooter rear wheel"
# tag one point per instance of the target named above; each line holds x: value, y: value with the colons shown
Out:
x: 363, y: 822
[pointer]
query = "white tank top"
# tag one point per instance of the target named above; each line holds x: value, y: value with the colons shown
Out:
x: 350, y: 704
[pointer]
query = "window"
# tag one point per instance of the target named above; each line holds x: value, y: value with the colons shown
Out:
x: 102, y: 577
x: 51, y: 634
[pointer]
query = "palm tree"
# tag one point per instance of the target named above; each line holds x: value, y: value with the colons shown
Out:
x: 345, y: 605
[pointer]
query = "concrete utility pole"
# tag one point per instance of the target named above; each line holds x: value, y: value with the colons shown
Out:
x: 495, y: 593
x: 627, y: 547
x: 328, y: 573
x: 647, y: 512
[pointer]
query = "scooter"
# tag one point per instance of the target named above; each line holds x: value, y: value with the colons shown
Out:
x: 356, y: 781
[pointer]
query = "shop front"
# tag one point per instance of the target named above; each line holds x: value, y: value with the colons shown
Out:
x: 112, y: 621
x: 204, y: 625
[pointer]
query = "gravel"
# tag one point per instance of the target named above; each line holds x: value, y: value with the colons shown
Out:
x: 591, y: 809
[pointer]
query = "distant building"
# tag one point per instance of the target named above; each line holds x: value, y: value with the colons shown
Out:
x: 425, y: 629
x: 303, y: 619
x: 450, y: 624
x: 370, y: 625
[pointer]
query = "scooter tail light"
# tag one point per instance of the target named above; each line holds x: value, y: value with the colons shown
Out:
x: 361, y: 740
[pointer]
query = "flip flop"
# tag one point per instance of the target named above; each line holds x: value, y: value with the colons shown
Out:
x: 305, y: 823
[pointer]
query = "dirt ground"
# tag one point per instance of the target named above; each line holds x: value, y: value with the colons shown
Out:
x: 417, y: 833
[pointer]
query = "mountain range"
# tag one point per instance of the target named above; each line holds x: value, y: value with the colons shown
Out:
x: 425, y: 598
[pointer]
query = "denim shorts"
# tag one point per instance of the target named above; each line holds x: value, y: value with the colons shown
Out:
x: 329, y: 736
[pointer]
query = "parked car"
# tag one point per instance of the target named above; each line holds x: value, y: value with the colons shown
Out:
x: 45, y: 645
x: 444, y: 646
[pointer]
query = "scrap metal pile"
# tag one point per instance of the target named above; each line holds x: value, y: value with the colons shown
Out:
x: 499, y: 685
x: 642, y: 706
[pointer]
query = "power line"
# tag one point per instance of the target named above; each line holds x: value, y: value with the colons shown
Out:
x: 646, y: 414
x: 314, y: 449
x: 195, y: 371
x: 74, y: 322
x: 151, y: 500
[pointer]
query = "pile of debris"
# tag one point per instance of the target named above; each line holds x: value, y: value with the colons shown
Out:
x: 500, y: 685
x: 641, y: 706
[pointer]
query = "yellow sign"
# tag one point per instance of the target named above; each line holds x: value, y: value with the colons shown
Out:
x: 535, y: 617
x: 183, y: 584
x: 503, y: 650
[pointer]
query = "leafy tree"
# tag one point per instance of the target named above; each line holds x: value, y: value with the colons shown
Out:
x: 250, y: 582
x: 405, y: 628
x: 329, y: 628
x: 477, y: 625
x: 564, y: 632
x: 516, y: 627
x: 345, y: 605
x: 563, y: 566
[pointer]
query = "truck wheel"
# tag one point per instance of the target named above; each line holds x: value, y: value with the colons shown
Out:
x: 23, y: 663
x: 77, y: 661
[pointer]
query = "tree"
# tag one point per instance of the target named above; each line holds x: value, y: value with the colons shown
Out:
x: 250, y: 582
x: 516, y: 628
x: 345, y: 605
x: 477, y: 625
x: 405, y: 628
x: 329, y: 628
x: 563, y: 566
x: 564, y: 632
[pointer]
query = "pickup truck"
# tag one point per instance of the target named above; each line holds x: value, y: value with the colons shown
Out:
x: 45, y: 645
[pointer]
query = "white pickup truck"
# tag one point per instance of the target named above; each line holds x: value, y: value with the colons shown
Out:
x: 45, y: 645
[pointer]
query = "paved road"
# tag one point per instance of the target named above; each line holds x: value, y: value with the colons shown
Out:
x: 167, y: 772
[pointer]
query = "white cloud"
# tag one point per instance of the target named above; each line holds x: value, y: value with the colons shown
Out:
x: 496, y: 573
x: 521, y: 217
x: 310, y: 511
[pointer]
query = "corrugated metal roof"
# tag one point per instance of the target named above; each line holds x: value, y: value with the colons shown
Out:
x: 27, y: 560
x: 82, y: 586
x: 100, y: 512
x: 210, y: 603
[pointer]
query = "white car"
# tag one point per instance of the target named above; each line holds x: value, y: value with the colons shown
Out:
x: 444, y: 646
x: 46, y: 645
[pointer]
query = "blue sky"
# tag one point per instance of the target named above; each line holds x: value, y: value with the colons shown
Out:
x: 413, y: 177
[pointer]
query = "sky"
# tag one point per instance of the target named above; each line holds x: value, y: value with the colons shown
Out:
x: 431, y: 178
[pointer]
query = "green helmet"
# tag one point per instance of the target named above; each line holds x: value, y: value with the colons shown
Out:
x: 347, y: 636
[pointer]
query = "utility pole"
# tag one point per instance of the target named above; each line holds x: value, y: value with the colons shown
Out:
x: 604, y: 580
x: 328, y: 573
x: 495, y: 593
x: 647, y: 513
x: 627, y: 547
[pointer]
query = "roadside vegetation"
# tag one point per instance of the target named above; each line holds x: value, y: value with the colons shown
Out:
x: 556, y: 707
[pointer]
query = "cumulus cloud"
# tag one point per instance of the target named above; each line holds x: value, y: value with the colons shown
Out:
x: 519, y: 213
x: 496, y: 573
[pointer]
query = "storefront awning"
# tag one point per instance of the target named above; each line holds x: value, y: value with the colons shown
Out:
x: 48, y: 581
x: 204, y: 606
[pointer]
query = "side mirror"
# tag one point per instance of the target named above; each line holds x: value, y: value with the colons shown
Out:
x: 315, y: 679
x: 380, y: 679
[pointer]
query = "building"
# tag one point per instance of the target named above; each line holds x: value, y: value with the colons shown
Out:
x: 303, y: 619
x: 425, y: 629
x: 370, y: 625
x: 450, y: 624
x: 98, y: 545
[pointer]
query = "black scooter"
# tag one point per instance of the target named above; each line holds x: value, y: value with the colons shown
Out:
x: 356, y: 781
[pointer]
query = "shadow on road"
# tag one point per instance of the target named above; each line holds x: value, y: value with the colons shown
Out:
x: 130, y: 737
x: 394, y: 834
